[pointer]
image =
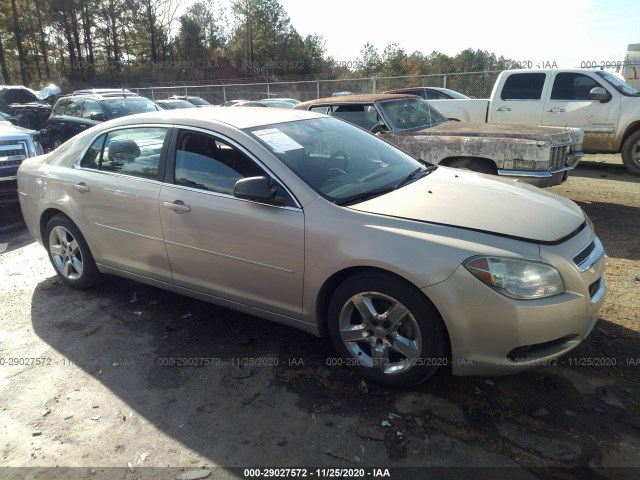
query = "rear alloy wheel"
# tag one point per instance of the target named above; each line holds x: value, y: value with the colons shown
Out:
x: 631, y: 153
x: 475, y: 165
x: 387, y: 330
x: 69, y: 253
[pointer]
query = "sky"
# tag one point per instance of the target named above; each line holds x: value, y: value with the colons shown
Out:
x: 567, y: 32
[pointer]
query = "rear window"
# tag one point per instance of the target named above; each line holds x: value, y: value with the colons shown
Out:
x: 523, y: 86
x: 122, y: 107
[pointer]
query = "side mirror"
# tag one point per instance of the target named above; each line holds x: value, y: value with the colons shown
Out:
x: 379, y: 127
x: 258, y: 189
x: 99, y: 117
x: 599, y: 94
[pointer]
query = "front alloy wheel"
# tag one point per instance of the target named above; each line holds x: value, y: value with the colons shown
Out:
x: 380, y: 332
x: 386, y: 329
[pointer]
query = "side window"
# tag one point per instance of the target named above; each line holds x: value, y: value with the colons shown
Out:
x: 74, y: 107
x: 134, y: 151
x: 321, y: 109
x: 60, y: 107
x: 91, y: 158
x: 90, y: 107
x: 431, y: 95
x: 572, y: 86
x: 361, y: 115
x: 523, y: 86
x: 207, y: 163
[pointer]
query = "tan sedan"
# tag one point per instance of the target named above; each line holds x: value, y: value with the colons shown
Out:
x: 312, y: 222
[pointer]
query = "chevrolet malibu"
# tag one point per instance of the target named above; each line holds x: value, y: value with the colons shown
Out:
x: 309, y: 221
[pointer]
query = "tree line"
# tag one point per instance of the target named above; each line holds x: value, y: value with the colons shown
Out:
x: 117, y: 42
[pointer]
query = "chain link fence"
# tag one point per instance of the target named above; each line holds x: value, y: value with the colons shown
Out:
x: 473, y: 84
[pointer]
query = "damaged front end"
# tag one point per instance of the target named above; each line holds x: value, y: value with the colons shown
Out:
x: 27, y: 108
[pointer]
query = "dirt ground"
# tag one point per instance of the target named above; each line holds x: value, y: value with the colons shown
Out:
x: 104, y: 381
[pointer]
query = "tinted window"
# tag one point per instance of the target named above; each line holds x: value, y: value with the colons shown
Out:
x: 74, y: 108
x: 207, y: 163
x: 364, y: 116
x: 431, y: 95
x: 133, y: 151
x: 91, y: 158
x: 524, y: 86
x: 60, y: 106
x: 128, y: 106
x: 572, y: 86
x: 90, y: 107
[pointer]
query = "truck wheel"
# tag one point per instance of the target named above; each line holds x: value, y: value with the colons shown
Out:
x: 631, y: 153
x: 479, y: 165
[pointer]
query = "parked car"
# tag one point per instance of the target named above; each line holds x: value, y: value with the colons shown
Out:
x: 598, y: 102
x: 542, y: 156
x: 102, y: 91
x: 231, y: 103
x: 75, y: 113
x: 26, y: 107
x: 16, y: 144
x: 197, y: 101
x: 264, y: 103
x: 173, y: 103
x: 430, y: 93
x: 292, y: 101
x: 312, y: 222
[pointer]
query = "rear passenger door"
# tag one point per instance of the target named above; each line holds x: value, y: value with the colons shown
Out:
x: 115, y: 196
x: 520, y: 100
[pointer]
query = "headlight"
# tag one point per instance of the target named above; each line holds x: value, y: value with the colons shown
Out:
x: 515, y: 278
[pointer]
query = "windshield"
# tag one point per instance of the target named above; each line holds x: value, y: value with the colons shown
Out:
x: 198, y: 101
x: 410, y: 114
x: 128, y: 106
x: 341, y: 162
x: 621, y: 86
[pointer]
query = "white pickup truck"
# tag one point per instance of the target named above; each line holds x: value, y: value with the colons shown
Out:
x: 600, y: 103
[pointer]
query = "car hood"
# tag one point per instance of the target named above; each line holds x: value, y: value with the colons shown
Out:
x: 528, y: 132
x: 7, y: 128
x: 479, y: 202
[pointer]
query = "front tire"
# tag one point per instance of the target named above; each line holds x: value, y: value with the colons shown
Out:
x: 387, y: 330
x: 70, y: 254
x: 631, y: 153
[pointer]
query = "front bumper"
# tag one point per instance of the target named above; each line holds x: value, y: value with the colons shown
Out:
x: 546, y: 178
x: 495, y: 335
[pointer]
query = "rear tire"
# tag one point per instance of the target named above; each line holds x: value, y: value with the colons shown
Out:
x: 631, y: 153
x: 475, y: 165
x: 70, y: 254
x: 387, y: 330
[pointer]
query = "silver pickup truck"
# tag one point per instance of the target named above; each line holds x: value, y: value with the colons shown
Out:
x: 542, y: 156
x: 16, y: 144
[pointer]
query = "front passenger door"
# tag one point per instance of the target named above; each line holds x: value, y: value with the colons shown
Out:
x: 238, y: 250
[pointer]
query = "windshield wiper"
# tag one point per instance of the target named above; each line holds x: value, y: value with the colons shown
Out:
x: 426, y: 168
x: 375, y: 192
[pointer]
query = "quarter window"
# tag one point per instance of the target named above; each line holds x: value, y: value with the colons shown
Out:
x: 523, y: 86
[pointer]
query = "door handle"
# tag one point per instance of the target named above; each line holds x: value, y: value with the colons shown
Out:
x: 503, y: 109
x: 556, y: 110
x: 81, y: 187
x: 178, y: 206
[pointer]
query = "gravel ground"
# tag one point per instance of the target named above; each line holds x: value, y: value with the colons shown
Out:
x: 103, y: 381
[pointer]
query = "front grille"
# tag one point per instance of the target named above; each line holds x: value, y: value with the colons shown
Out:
x: 558, y: 157
x: 12, y: 152
x: 594, y: 287
x: 584, y: 254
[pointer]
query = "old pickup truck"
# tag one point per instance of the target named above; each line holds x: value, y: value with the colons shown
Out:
x: 542, y: 156
x: 605, y: 107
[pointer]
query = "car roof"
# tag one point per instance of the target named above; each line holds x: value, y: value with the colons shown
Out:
x: 240, y: 118
x: 105, y: 96
x: 366, y: 98
x: 101, y: 91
